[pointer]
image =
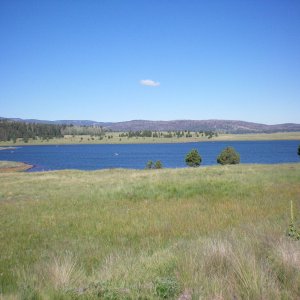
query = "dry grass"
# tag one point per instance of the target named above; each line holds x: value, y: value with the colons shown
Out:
x: 62, y: 272
x: 288, y: 253
x: 12, y: 166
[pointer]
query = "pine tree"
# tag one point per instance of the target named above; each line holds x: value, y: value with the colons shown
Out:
x: 193, y: 158
x: 228, y: 157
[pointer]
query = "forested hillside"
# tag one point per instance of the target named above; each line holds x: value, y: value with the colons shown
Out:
x: 221, y: 126
x: 13, y: 130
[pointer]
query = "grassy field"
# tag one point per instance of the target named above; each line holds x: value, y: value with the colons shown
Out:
x: 114, y: 138
x: 207, y: 233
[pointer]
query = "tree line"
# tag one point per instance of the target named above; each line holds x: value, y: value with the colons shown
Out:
x: 11, y: 131
x: 170, y: 134
x: 83, y: 130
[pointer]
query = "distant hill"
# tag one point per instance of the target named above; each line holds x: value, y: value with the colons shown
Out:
x: 226, y: 126
x: 59, y: 122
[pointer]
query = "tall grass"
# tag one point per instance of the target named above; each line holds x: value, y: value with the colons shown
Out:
x: 208, y: 233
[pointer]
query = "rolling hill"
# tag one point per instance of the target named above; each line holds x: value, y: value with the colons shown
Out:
x: 226, y: 126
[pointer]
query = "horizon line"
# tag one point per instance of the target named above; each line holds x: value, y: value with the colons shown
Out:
x: 143, y: 120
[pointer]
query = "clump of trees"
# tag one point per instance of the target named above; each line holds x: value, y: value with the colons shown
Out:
x: 228, y: 157
x: 83, y: 130
x: 167, y: 134
x: 193, y: 158
x: 139, y: 133
x: 154, y: 165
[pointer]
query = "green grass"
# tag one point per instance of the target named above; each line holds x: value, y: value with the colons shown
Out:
x: 115, y: 139
x: 211, y: 232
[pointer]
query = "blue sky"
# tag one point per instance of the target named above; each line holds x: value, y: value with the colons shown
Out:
x: 109, y: 60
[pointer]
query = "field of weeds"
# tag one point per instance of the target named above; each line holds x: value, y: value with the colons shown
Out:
x: 206, y: 233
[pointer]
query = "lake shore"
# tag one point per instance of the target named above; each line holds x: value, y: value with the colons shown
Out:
x: 136, y: 156
x: 114, y: 138
x: 12, y: 166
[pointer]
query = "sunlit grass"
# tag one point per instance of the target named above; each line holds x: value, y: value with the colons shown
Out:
x: 207, y: 232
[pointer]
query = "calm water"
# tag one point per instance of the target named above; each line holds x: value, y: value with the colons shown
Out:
x: 92, y: 157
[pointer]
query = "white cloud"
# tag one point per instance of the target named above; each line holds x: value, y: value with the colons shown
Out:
x: 149, y: 82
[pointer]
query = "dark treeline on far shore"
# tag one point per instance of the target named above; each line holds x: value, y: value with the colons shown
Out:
x: 169, y: 134
x: 11, y: 131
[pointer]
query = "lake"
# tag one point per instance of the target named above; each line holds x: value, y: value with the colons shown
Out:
x: 135, y: 156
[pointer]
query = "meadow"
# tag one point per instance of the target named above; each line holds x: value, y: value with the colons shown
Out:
x: 195, y: 233
x: 116, y: 138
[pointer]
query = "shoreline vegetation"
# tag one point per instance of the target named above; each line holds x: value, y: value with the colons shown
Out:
x: 166, y: 137
x: 216, y: 232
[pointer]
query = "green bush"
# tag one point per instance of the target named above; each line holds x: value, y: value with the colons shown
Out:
x: 193, y: 158
x: 228, y: 157
x: 166, y: 288
x: 151, y: 165
x: 158, y: 165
